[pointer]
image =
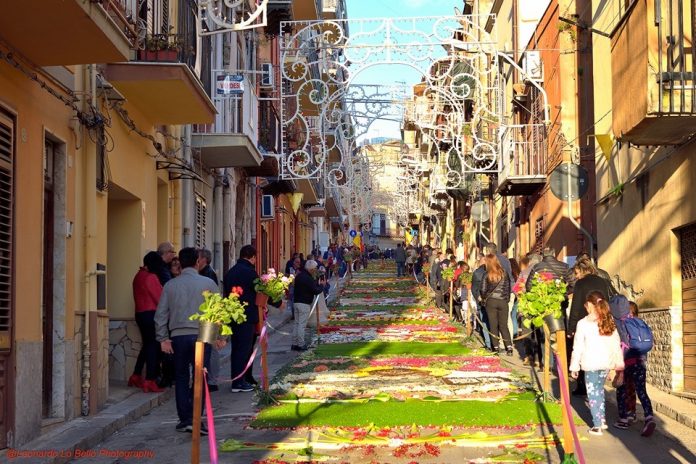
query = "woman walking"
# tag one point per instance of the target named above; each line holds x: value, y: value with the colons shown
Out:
x: 596, y: 350
x: 495, y: 294
x: 146, y: 293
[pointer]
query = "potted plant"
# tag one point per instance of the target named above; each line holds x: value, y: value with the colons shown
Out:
x: 271, y: 285
x: 465, y: 279
x: 448, y: 273
x: 216, y: 314
x: 542, y: 303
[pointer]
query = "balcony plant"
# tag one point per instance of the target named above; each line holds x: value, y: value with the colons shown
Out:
x: 161, y: 48
x: 216, y: 314
x: 271, y: 285
x: 542, y: 303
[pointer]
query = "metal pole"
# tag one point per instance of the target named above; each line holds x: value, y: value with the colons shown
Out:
x: 572, y: 218
x: 197, y: 402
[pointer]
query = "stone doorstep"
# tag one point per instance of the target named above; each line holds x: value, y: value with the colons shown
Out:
x: 87, y: 432
x: 673, y: 407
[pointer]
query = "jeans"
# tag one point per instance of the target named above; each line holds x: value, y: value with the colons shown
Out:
x: 302, y: 311
x: 595, y: 395
x: 150, y: 348
x: 513, y: 316
x: 635, y: 372
x: 485, y: 327
x: 184, y: 360
x: 242, y: 341
x: 497, y: 311
x: 400, y: 269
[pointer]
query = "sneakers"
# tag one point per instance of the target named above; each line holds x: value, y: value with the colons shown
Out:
x: 648, y: 428
x: 508, y: 351
x: 241, y: 387
x: 604, y: 425
x: 595, y: 431
x: 632, y: 417
x: 622, y: 424
x: 298, y: 348
x: 182, y: 427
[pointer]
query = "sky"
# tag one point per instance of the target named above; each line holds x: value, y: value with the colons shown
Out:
x: 394, y: 74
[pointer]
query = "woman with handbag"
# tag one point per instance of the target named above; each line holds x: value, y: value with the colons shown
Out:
x: 495, y: 294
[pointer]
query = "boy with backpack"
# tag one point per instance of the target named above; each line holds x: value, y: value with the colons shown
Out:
x: 637, y: 341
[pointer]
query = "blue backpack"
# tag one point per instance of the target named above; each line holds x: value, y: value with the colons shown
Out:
x: 640, y: 337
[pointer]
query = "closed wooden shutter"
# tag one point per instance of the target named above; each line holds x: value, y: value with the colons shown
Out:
x: 6, y: 249
x: 688, y: 271
x: 201, y: 213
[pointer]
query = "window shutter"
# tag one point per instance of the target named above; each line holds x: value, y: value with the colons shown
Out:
x: 6, y: 223
x: 201, y: 213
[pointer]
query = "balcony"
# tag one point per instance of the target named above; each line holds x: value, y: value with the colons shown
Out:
x: 161, y: 82
x: 523, y: 160
x: 68, y: 32
x: 652, y: 61
x: 306, y: 10
x: 232, y: 140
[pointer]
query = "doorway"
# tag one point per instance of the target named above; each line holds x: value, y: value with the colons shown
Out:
x: 687, y: 250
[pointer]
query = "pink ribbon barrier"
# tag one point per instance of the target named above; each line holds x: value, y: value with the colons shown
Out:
x: 263, y: 337
x: 569, y: 410
x: 212, y: 442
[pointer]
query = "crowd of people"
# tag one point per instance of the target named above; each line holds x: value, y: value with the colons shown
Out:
x: 601, y: 325
x: 169, y: 288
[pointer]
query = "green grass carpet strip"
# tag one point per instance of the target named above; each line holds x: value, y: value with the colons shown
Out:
x: 371, y: 349
x: 393, y: 414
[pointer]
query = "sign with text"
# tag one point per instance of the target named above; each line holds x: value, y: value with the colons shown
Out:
x: 230, y: 84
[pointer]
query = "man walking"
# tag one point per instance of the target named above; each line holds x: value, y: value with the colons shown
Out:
x: 400, y: 258
x: 167, y: 253
x: 243, y: 337
x: 477, y: 279
x: 177, y: 334
x: 306, y: 288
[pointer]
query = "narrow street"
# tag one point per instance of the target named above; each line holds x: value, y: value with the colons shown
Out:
x: 392, y: 381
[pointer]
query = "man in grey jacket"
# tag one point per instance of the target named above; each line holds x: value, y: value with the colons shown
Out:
x: 177, y: 334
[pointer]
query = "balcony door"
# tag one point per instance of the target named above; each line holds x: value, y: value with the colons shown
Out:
x: 688, y: 271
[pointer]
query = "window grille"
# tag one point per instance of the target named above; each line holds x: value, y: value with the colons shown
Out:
x: 201, y: 216
x: 6, y: 221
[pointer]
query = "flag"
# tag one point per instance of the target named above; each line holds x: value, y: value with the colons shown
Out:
x: 606, y: 143
x: 295, y: 200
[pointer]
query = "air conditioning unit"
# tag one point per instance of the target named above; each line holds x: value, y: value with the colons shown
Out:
x: 267, y: 75
x: 531, y: 63
x: 267, y: 207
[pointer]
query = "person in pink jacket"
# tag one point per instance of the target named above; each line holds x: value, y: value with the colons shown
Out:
x: 596, y: 350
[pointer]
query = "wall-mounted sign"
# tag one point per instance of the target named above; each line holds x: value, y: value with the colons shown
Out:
x: 352, y: 233
x: 229, y: 84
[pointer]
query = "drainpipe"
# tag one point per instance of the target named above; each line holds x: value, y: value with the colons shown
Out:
x: 187, y: 225
x: 575, y: 222
x: 218, y: 221
x: 90, y: 218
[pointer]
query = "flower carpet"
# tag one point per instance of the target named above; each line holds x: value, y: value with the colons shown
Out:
x: 393, y: 380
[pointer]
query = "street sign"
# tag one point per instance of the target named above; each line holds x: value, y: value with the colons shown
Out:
x: 352, y: 233
x: 573, y: 188
x: 229, y: 84
x: 479, y: 211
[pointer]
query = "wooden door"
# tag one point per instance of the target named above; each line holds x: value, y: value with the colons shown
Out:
x: 6, y: 274
x: 688, y: 268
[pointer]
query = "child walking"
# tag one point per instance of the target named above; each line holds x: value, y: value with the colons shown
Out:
x: 634, y: 375
x: 596, y: 350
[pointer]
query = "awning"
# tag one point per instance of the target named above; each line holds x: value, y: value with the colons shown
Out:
x: 227, y: 150
x: 166, y: 93
x: 331, y: 208
x: 316, y: 211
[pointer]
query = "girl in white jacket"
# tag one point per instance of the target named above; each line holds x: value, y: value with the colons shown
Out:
x: 596, y: 350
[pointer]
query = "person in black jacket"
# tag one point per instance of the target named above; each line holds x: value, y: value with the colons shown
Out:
x: 587, y: 282
x: 558, y: 269
x: 477, y: 279
x: 306, y: 288
x: 495, y: 293
x: 243, y: 275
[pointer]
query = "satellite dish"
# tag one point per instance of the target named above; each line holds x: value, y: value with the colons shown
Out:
x: 480, y: 212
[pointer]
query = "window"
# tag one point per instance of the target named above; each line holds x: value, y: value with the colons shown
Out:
x: 6, y: 219
x: 201, y: 216
x: 539, y: 235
